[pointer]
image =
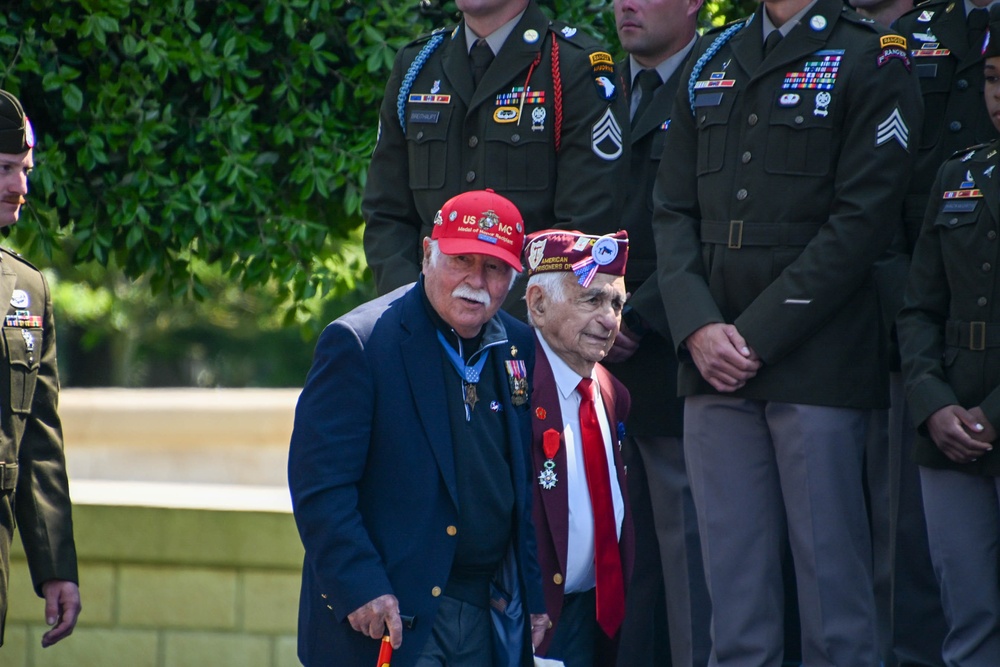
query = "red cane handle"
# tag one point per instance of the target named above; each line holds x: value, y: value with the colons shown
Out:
x: 384, y: 653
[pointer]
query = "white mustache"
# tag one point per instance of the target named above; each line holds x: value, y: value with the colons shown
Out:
x: 477, y: 295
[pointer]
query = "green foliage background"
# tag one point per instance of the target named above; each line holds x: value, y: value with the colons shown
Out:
x: 200, y: 164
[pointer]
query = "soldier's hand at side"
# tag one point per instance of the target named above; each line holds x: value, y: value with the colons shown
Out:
x: 989, y: 433
x: 950, y: 428
x: 625, y: 345
x: 373, y: 618
x: 540, y: 624
x: 722, y: 356
x: 62, y: 608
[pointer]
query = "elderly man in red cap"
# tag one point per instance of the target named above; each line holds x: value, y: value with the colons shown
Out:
x: 409, y: 462
x: 575, y: 296
x: 34, y: 492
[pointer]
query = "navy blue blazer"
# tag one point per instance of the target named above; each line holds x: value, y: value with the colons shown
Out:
x: 372, y: 477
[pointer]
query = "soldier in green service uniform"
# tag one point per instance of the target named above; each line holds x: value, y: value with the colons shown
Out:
x: 946, y: 38
x: 508, y: 100
x: 949, y: 336
x: 33, y: 486
x: 790, y: 151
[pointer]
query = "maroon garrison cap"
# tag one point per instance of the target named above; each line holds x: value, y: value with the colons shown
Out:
x: 573, y: 252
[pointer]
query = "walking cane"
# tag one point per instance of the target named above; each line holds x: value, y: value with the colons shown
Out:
x: 384, y: 653
x: 385, y: 648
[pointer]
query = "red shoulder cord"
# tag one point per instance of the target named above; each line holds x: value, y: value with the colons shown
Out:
x: 557, y: 91
x: 556, y: 85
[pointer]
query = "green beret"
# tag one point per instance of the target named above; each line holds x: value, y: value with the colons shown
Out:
x: 16, y: 135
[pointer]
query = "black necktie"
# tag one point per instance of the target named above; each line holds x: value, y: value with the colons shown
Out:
x: 978, y: 20
x: 771, y: 41
x: 481, y: 56
x: 647, y: 82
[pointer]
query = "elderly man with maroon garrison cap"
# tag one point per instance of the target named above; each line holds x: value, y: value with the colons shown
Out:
x: 575, y: 295
x: 34, y: 492
x: 409, y: 464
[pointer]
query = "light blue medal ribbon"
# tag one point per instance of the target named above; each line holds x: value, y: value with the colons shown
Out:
x: 411, y: 75
x: 710, y: 52
x: 469, y: 374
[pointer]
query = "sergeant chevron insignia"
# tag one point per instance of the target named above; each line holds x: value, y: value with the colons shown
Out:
x: 606, y: 137
x: 893, y: 127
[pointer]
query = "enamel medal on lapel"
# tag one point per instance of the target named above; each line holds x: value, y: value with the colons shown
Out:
x: 550, y: 445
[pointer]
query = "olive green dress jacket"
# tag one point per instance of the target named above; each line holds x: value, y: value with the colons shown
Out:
x: 33, y: 488
x: 784, y: 185
x: 949, y: 328
x: 544, y: 128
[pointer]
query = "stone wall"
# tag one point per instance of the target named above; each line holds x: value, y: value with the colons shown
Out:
x: 174, y: 573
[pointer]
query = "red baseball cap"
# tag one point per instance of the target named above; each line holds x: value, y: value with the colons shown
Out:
x: 480, y: 222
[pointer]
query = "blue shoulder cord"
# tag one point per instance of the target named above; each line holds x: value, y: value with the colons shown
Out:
x: 411, y: 76
x: 710, y: 53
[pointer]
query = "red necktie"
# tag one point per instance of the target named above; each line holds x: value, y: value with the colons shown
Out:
x: 607, y: 559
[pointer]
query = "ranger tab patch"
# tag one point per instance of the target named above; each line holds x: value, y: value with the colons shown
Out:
x: 602, y: 63
x: 885, y: 41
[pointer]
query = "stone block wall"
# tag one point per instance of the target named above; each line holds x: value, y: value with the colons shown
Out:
x: 197, y: 584
x: 188, y: 551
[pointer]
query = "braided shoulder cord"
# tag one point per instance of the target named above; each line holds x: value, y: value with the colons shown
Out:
x: 710, y: 53
x: 557, y: 92
x: 411, y: 75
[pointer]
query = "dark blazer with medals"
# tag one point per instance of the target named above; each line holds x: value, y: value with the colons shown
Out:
x: 459, y: 138
x: 949, y: 328
x: 950, y: 71
x: 33, y: 485
x: 651, y: 373
x: 372, y: 475
x: 551, y: 506
x: 785, y: 177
